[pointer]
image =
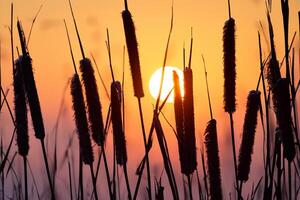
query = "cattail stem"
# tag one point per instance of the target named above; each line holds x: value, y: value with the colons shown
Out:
x: 107, y: 172
x: 190, y: 186
x: 234, y: 154
x: 229, y: 9
x: 80, y: 191
x: 47, y: 169
x: 204, y: 175
x: 25, y: 177
x: 70, y: 179
x: 290, y: 180
x: 127, y: 181
x: 146, y: 154
x: 94, y: 181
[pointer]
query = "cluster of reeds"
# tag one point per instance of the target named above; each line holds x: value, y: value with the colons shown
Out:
x: 281, y: 160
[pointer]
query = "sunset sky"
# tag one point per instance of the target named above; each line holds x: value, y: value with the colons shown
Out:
x: 53, y: 67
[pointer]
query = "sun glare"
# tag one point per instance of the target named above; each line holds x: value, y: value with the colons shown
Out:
x: 167, y: 83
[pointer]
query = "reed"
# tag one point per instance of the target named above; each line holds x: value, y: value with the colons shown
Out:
x: 93, y: 101
x: 133, y: 54
x: 33, y: 100
x: 213, y: 161
x: 21, y: 117
x: 118, y: 131
x: 285, y: 119
x: 81, y: 121
x: 94, y: 108
x: 248, y: 136
x: 229, y: 81
x: 178, y: 111
x: 189, y: 123
x: 229, y: 65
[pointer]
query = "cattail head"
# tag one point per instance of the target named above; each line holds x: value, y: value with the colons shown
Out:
x: 284, y: 118
x: 81, y: 121
x: 93, y: 101
x: 229, y: 65
x: 20, y: 110
x: 178, y: 109
x: 189, y: 123
x: 118, y: 132
x: 213, y: 161
x: 132, y: 48
x: 32, y: 97
x: 246, y: 149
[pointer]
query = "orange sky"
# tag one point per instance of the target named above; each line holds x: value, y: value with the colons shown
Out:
x: 52, y: 62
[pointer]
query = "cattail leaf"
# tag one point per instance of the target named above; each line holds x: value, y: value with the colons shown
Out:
x: 229, y: 65
x: 93, y: 101
x: 81, y: 121
x: 249, y: 128
x: 213, y: 161
x: 20, y: 110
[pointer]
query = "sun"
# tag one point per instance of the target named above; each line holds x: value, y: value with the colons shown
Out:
x: 154, y: 83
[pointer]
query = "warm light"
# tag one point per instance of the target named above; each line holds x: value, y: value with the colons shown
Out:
x: 154, y: 83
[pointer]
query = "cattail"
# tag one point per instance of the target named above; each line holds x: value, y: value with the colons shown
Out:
x: 93, y: 101
x: 189, y: 124
x: 229, y: 65
x: 284, y: 119
x: 273, y: 70
x: 246, y: 149
x: 179, y: 121
x: 20, y: 110
x: 133, y: 53
x: 30, y: 88
x: 213, y: 161
x: 81, y: 121
x: 119, y: 136
x: 32, y: 97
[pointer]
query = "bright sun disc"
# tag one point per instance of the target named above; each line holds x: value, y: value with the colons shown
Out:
x: 167, y: 83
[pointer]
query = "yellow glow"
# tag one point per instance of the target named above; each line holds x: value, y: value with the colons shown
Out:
x: 167, y: 83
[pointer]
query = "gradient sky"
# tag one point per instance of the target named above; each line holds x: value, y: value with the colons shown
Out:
x: 52, y: 64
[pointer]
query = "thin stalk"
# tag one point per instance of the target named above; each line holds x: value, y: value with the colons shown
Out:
x: 94, y: 182
x: 25, y: 177
x: 190, y: 186
x: 118, y: 183
x: 47, y: 169
x: 207, y: 89
x: 199, y: 186
x: 107, y: 172
x: 80, y: 191
x: 234, y: 155
x: 2, y: 173
x: 204, y: 174
x: 146, y: 155
x: 127, y: 181
x: 70, y: 179
x: 290, y: 180
x: 266, y: 193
